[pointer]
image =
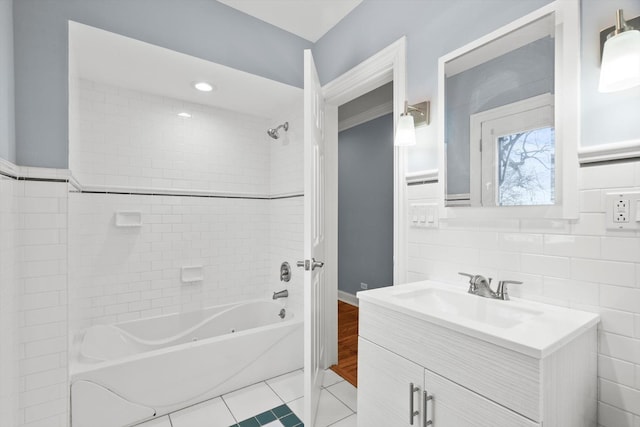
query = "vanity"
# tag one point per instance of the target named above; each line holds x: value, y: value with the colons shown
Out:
x: 431, y: 354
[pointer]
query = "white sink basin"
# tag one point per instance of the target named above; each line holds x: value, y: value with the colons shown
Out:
x: 472, y: 307
x: 528, y: 327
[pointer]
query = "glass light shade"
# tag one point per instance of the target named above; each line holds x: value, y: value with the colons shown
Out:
x: 621, y: 62
x: 406, y: 131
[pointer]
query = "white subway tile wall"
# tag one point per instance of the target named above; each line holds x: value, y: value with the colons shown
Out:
x: 286, y: 224
x: 124, y: 273
x: 122, y: 137
x: 35, y: 332
x: 9, y: 304
x: 576, y: 264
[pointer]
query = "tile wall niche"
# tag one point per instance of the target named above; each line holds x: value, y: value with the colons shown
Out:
x: 125, y: 273
x: 576, y: 264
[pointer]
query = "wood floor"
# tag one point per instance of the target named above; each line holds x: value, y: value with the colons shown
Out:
x: 347, y: 366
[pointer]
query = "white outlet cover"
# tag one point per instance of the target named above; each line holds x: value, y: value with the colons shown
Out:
x: 629, y: 211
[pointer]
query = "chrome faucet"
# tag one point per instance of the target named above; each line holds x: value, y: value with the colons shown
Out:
x: 479, y: 285
x: 281, y: 294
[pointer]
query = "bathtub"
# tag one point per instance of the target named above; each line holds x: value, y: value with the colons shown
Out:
x: 129, y: 372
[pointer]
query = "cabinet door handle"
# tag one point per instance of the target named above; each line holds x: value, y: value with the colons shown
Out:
x: 427, y: 398
x: 412, y: 413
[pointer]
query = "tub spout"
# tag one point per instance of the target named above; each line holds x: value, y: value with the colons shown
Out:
x: 281, y: 294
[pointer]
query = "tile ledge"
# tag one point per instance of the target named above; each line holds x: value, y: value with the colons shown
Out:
x: 622, y: 150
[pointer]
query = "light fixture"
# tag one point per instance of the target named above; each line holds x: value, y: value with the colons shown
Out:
x: 185, y: 115
x: 620, y: 55
x: 203, y: 86
x: 414, y: 115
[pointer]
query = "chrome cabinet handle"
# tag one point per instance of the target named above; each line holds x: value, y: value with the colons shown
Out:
x: 427, y: 398
x: 412, y: 413
x: 316, y: 264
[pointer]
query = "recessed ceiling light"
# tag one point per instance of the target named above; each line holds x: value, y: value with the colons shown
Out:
x: 186, y: 115
x: 203, y: 86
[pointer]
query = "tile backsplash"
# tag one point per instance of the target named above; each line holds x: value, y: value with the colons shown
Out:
x: 577, y: 264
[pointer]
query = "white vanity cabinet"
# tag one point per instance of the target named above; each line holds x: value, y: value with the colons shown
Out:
x: 473, y: 379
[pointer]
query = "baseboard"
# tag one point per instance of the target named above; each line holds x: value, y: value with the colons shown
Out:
x: 348, y: 298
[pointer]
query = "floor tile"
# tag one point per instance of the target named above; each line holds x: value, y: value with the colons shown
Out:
x: 330, y: 410
x: 212, y: 413
x: 330, y: 378
x: 275, y: 423
x: 346, y: 393
x: 288, y: 386
x: 250, y: 401
x: 297, y: 406
x: 351, y: 421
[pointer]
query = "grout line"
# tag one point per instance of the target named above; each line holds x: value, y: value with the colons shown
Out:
x: 275, y: 392
x: 229, y: 409
x: 340, y: 400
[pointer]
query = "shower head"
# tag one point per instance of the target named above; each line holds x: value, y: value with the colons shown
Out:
x: 273, y: 133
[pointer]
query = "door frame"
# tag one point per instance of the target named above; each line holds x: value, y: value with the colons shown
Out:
x: 387, y: 65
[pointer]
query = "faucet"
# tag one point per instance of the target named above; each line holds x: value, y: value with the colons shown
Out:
x: 479, y: 285
x: 281, y: 294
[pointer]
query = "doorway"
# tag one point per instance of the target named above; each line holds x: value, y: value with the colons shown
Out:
x: 387, y: 66
x: 365, y: 212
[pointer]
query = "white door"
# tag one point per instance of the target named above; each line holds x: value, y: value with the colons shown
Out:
x: 314, y: 304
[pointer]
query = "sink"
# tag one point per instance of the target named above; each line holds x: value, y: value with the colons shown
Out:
x: 495, y: 313
x: 528, y: 327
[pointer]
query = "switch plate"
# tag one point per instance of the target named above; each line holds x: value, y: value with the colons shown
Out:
x: 423, y: 215
x: 622, y: 210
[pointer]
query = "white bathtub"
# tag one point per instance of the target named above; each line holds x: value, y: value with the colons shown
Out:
x: 129, y: 372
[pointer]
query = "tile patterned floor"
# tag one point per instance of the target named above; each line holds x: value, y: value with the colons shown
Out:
x: 277, y: 402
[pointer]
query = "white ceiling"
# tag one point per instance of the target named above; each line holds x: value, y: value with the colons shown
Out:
x: 109, y: 58
x: 309, y: 19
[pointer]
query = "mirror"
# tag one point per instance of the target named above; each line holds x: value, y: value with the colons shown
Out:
x: 500, y: 144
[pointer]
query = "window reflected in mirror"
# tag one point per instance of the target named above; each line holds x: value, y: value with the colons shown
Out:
x: 500, y: 146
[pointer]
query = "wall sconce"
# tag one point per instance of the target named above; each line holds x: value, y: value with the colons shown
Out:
x: 414, y: 115
x: 620, y: 49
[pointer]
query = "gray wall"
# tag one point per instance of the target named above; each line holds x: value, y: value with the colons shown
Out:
x: 606, y: 117
x: 7, y: 128
x: 514, y: 76
x: 202, y: 28
x: 436, y: 27
x: 365, y: 205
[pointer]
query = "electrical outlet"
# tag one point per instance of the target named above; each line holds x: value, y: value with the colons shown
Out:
x: 363, y: 285
x: 621, y: 210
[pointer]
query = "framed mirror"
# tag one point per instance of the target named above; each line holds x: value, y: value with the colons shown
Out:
x: 509, y: 133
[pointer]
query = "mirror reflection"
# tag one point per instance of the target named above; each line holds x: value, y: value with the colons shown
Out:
x: 499, y: 120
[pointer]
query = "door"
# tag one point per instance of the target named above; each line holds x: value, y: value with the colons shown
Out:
x: 452, y: 405
x: 389, y: 388
x: 314, y: 239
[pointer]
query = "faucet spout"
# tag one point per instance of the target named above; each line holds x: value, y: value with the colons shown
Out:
x: 281, y: 294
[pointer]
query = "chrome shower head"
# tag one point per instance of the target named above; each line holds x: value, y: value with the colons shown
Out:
x: 273, y: 133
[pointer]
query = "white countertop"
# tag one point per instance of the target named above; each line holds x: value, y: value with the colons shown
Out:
x: 528, y: 327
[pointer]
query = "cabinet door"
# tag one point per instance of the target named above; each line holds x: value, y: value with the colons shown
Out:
x: 384, y: 380
x: 456, y: 406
